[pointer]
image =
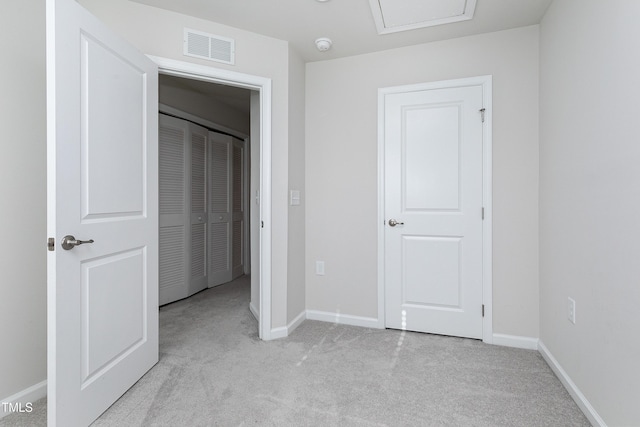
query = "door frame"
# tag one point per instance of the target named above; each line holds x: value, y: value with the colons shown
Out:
x: 487, y: 254
x: 263, y: 86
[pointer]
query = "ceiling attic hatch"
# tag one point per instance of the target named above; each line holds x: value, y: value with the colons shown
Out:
x: 392, y: 16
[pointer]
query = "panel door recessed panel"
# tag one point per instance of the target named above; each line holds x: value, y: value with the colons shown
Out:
x: 112, y: 145
x: 431, y: 272
x: 431, y: 157
x: 112, y: 284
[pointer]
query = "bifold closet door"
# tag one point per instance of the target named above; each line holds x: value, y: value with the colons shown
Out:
x: 220, y: 218
x: 174, y: 224
x: 183, y: 208
x: 238, y: 209
x: 199, y: 138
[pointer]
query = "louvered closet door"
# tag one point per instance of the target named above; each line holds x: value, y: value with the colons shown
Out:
x: 238, y: 228
x: 198, y: 214
x: 219, y: 176
x: 173, y: 209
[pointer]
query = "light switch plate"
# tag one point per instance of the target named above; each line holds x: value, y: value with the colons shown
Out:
x: 294, y: 199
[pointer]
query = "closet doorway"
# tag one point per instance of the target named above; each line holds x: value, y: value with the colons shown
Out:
x: 208, y: 167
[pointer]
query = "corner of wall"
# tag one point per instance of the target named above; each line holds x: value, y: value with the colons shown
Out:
x: 583, y: 403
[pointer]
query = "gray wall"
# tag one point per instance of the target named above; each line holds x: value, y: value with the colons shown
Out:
x: 590, y: 199
x: 341, y: 168
x: 23, y: 205
x: 295, y: 264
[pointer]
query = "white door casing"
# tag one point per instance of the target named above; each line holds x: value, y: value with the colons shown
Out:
x: 102, y: 185
x: 434, y: 180
x: 263, y: 86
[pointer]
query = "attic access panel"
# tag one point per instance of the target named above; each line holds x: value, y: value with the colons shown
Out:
x: 403, y: 15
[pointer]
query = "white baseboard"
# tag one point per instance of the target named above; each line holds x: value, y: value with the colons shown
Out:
x: 343, y: 319
x: 284, y: 331
x: 28, y: 395
x: 324, y: 316
x: 297, y: 321
x: 580, y: 399
x: 277, y: 333
x: 254, y: 311
x: 526, y: 343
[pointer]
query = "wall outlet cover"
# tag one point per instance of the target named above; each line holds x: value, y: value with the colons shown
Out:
x: 320, y: 268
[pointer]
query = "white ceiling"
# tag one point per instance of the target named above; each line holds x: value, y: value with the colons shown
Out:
x: 348, y: 23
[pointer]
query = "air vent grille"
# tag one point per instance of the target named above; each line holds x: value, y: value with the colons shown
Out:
x: 209, y: 46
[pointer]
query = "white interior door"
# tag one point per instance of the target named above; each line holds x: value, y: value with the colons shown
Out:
x: 102, y: 185
x: 433, y: 159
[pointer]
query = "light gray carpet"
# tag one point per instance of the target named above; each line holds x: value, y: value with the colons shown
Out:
x: 214, y: 371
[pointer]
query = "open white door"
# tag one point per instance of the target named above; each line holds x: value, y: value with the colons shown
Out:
x: 102, y: 185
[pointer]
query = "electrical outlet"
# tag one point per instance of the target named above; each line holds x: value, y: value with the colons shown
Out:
x: 572, y: 311
x: 320, y: 268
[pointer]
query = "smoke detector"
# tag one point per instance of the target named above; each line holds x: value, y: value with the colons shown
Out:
x: 323, y: 44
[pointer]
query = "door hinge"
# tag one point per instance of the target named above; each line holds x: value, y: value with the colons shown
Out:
x: 482, y: 111
x: 261, y: 224
x: 482, y: 310
x: 51, y: 244
x: 483, y: 213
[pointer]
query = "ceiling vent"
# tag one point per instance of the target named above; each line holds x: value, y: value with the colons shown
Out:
x: 209, y: 46
x: 392, y: 16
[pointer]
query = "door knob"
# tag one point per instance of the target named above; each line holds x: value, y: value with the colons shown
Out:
x: 69, y: 242
x: 393, y: 222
